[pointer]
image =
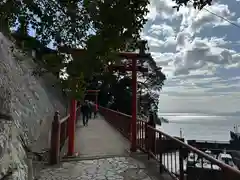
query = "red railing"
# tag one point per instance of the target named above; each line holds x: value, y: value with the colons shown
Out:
x: 172, y: 153
x: 119, y: 121
x: 59, y: 136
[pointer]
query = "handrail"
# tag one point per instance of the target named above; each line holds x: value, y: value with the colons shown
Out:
x: 59, y: 136
x: 120, y: 113
x: 206, y: 156
x: 64, y: 119
x: 123, y: 114
x: 122, y: 126
x: 161, y: 146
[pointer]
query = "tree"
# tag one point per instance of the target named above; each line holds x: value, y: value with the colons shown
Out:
x: 99, y: 27
x: 197, y: 4
x: 110, y: 33
x: 86, y: 23
x: 116, y: 89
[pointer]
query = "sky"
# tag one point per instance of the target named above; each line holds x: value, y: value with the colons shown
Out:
x: 200, y: 55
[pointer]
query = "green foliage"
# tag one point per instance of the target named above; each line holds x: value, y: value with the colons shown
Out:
x: 117, y: 21
x: 53, y: 63
x: 100, y: 27
x: 197, y: 4
x: 116, y: 90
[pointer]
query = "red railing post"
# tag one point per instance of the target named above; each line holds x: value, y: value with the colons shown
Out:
x: 181, y: 161
x: 147, y: 142
x: 134, y: 107
x: 55, y: 140
x: 151, y: 135
x: 160, y: 154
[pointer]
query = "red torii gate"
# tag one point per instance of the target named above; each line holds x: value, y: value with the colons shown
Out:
x: 134, y: 68
x: 96, y: 96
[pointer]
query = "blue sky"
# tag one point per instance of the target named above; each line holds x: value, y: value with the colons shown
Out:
x: 200, y: 55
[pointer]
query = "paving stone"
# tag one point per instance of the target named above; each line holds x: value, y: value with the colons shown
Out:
x: 123, y: 168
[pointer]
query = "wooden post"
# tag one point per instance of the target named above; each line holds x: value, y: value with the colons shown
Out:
x: 160, y: 154
x: 147, y: 140
x: 55, y: 140
x: 181, y: 168
x: 134, y: 107
x: 71, y: 128
x: 152, y: 135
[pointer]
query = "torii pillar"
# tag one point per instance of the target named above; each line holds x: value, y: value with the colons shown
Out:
x: 134, y: 69
x: 72, y: 125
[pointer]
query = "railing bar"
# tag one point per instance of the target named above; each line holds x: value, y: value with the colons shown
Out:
x: 153, y: 155
x: 175, y: 159
x: 167, y: 161
x: 66, y: 117
x: 116, y: 112
x: 143, y: 134
x: 141, y: 143
x: 140, y: 133
x: 155, y: 143
x: 163, y: 154
x: 199, y: 152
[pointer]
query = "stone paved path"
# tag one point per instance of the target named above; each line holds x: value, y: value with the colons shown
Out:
x: 99, y: 139
x: 118, y: 168
x: 102, y: 156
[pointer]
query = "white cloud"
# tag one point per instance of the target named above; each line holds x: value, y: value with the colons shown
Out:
x: 201, y: 68
x: 163, y: 8
x: 163, y: 29
x: 197, y: 20
x: 153, y: 41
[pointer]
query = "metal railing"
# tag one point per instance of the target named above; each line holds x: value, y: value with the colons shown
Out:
x: 179, y: 159
x: 59, y: 135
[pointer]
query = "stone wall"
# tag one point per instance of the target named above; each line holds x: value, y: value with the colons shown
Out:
x: 25, y: 103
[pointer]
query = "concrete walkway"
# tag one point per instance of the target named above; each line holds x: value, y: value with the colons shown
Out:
x: 103, y: 155
x: 118, y: 168
x: 99, y: 139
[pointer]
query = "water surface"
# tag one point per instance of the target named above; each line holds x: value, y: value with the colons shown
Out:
x: 199, y: 127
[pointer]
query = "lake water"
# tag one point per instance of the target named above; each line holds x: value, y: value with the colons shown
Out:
x: 199, y: 127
